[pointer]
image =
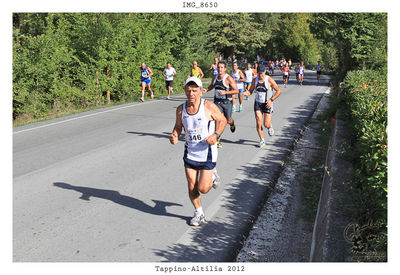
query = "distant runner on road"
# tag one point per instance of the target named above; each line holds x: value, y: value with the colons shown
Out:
x: 169, y: 73
x: 302, y: 69
x: 213, y: 66
x: 146, y: 73
x: 248, y: 73
x: 224, y: 87
x: 238, y: 76
x: 263, y: 104
x: 196, y: 71
x: 286, y: 74
x: 203, y: 123
x: 255, y: 70
x: 319, y: 69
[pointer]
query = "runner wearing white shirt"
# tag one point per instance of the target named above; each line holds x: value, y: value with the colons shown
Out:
x: 238, y: 76
x: 248, y: 73
x: 169, y: 73
x: 203, y: 123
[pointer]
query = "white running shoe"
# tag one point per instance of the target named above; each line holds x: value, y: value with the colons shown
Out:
x: 271, y: 131
x: 262, y: 144
x: 197, y: 220
x: 216, y: 179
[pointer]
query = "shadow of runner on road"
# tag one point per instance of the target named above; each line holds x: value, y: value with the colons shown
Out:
x: 157, y: 135
x: 182, y: 138
x: 114, y: 196
x: 219, y: 239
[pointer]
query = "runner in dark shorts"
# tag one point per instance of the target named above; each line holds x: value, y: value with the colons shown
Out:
x: 224, y: 86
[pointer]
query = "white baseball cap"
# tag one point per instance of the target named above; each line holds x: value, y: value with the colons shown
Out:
x: 195, y: 80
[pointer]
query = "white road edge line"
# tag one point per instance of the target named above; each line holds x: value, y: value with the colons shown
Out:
x: 85, y: 116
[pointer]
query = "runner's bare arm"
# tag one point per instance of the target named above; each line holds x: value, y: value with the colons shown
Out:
x: 201, y: 73
x: 220, y: 121
x: 252, y: 87
x: 150, y: 71
x: 242, y: 78
x: 231, y: 83
x: 277, y: 91
x: 173, y: 138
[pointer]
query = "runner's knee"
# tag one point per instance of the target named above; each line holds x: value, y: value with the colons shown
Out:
x: 204, y: 189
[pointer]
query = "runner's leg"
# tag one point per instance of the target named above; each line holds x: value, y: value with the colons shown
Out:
x: 233, y: 103
x: 268, y: 120
x: 151, y: 91
x: 194, y: 195
x: 143, y: 89
x: 258, y: 116
x: 205, y: 181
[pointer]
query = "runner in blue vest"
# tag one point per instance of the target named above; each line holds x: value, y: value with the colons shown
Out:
x: 319, y: 69
x: 146, y: 73
x: 213, y: 68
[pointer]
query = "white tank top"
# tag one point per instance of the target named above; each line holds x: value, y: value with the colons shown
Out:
x: 248, y: 75
x: 236, y: 76
x: 197, y: 128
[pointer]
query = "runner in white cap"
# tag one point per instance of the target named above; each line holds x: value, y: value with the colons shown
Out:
x: 203, y: 123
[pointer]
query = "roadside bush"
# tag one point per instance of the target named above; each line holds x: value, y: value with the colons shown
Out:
x: 366, y: 99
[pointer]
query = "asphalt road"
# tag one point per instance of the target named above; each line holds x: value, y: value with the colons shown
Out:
x: 107, y: 185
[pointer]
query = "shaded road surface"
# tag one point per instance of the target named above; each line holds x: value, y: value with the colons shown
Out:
x: 107, y: 185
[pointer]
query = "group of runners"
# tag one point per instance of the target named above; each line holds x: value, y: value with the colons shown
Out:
x: 204, y: 121
x: 278, y: 64
x: 168, y: 73
x: 242, y: 79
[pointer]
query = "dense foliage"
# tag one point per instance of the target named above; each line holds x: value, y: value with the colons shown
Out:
x: 66, y: 61
x: 366, y: 98
x: 353, y: 40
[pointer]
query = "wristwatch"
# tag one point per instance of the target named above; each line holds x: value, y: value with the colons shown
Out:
x: 218, y: 136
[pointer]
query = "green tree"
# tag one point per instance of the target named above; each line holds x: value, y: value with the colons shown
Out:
x: 295, y: 38
x: 234, y: 34
x: 269, y: 25
x: 360, y: 39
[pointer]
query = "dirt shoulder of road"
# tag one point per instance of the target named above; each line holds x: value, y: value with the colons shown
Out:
x: 283, y: 231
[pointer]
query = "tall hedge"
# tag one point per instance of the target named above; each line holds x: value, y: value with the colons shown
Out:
x: 366, y: 98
